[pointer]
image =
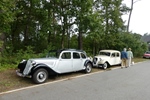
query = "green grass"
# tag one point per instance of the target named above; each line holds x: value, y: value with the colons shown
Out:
x: 7, y: 67
x: 139, y: 60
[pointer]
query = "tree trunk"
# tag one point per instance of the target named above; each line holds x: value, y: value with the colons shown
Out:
x: 26, y: 35
x: 62, y: 39
x: 130, y: 15
x: 80, y: 46
x: 49, y: 33
x: 2, y: 40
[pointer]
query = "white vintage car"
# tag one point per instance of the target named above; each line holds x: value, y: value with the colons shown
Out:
x: 57, y: 62
x: 107, y: 58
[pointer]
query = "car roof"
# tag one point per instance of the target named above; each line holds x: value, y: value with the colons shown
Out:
x: 60, y: 50
x: 109, y: 51
x: 73, y: 50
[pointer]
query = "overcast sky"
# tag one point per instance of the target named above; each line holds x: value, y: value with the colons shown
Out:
x: 140, y: 19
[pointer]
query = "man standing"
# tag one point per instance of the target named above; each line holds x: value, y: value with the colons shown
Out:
x: 130, y: 56
x: 124, y: 58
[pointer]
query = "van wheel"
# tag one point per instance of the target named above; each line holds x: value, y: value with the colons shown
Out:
x: 40, y: 76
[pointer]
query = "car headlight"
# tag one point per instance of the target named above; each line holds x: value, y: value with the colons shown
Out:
x: 100, y: 59
x: 33, y: 63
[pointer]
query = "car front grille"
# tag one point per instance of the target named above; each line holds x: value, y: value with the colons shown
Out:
x: 94, y: 60
x: 21, y: 66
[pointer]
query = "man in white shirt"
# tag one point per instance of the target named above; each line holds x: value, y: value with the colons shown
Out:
x: 130, y: 56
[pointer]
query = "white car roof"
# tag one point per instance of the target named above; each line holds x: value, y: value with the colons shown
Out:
x: 109, y: 51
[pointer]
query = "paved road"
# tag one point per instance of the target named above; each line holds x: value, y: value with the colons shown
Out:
x: 131, y: 83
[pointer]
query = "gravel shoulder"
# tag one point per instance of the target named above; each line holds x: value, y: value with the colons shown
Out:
x: 10, y: 81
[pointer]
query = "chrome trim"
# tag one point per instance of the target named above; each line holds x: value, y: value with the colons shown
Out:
x: 21, y: 74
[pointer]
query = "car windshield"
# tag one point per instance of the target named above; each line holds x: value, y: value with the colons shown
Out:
x: 104, y: 53
x: 53, y: 54
x: 148, y: 52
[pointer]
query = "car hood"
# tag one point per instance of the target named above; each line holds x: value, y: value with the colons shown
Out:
x: 37, y: 59
x: 48, y: 61
x: 102, y: 56
x: 146, y: 54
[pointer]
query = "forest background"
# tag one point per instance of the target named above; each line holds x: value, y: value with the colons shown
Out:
x: 30, y: 28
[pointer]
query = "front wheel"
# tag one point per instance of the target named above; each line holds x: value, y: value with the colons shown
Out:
x: 40, y: 76
x: 88, y: 68
x: 105, y: 65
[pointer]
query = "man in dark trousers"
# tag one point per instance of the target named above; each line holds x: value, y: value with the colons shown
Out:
x: 124, y: 58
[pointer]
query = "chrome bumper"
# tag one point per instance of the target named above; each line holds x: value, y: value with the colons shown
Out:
x: 97, y: 65
x: 22, y: 75
x: 19, y: 74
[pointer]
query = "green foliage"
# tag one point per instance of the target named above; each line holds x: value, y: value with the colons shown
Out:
x: 6, y: 14
x: 11, y: 60
x: 33, y: 27
x: 130, y: 40
x: 6, y: 17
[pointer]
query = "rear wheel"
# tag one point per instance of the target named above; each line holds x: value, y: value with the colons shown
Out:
x: 40, y: 76
x: 88, y: 68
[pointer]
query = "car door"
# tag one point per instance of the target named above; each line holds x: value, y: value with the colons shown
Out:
x: 118, y: 58
x: 65, y: 63
x: 77, y: 61
x: 112, y: 58
x: 115, y: 58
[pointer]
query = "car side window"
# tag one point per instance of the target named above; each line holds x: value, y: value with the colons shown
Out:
x: 76, y: 55
x: 118, y: 55
x: 113, y: 55
x: 66, y: 55
x: 83, y: 55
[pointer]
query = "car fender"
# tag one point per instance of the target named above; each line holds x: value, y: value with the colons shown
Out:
x: 41, y: 65
x: 88, y: 61
x: 102, y: 61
